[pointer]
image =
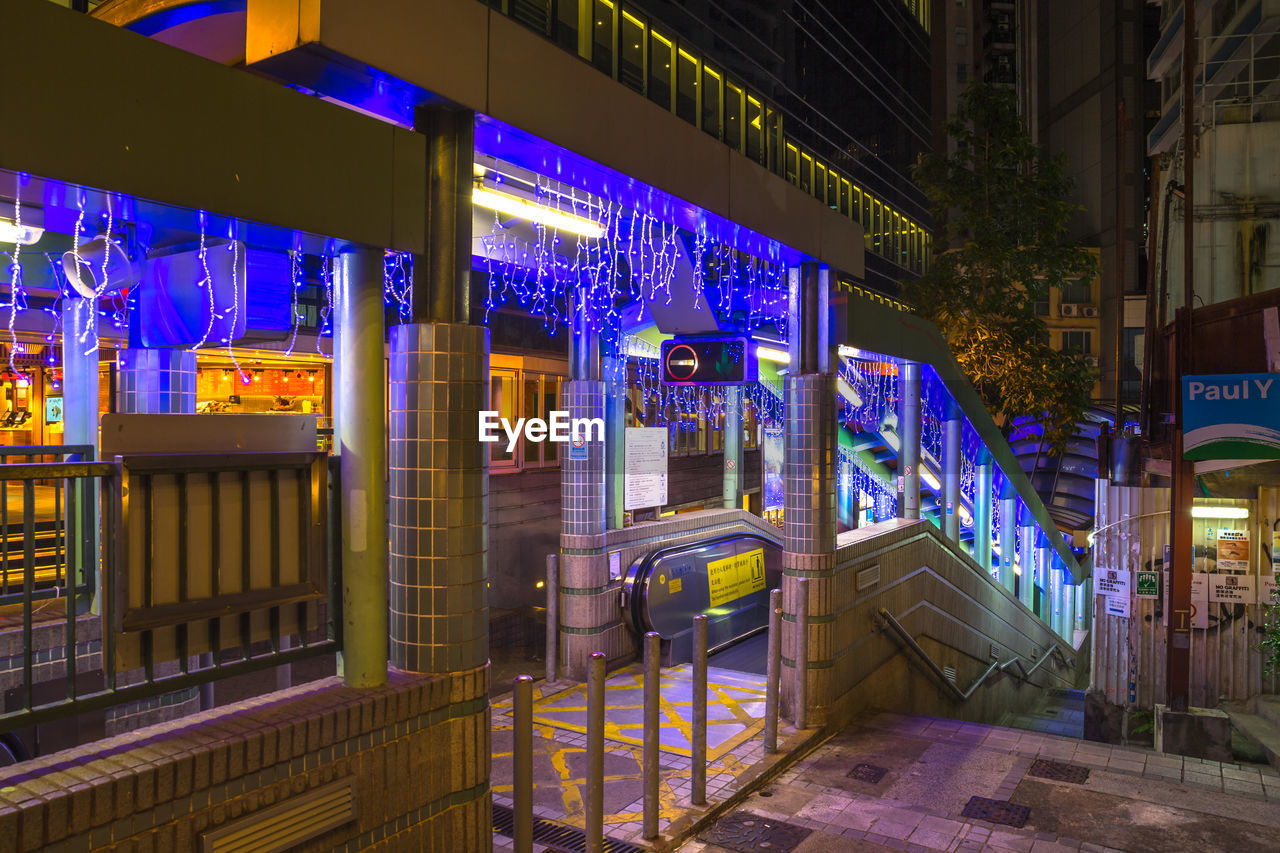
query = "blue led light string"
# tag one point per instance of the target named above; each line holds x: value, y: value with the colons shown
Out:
x: 235, y: 299
x: 326, y: 310
x: 295, y: 284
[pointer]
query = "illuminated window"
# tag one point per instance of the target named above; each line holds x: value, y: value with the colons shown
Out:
x: 846, y: 199
x: 631, y: 52
x: 661, y: 54
x: 833, y: 190
x: 687, y: 86
x: 602, y: 36
x: 806, y: 172
x: 820, y: 182
x: 504, y: 392
x: 793, y: 164
x: 733, y: 108
x: 566, y: 24
x: 755, y: 130
x: 712, y: 81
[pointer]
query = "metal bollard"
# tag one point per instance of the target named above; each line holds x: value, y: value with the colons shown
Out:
x: 699, y: 745
x: 773, y: 672
x: 595, y: 753
x: 802, y: 653
x: 553, y: 618
x: 522, y: 772
x: 652, y: 699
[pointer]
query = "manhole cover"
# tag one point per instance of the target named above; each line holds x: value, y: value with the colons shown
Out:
x: 749, y: 833
x: 997, y: 811
x: 867, y: 773
x: 1057, y: 771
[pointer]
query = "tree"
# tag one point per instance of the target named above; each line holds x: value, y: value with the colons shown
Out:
x: 1006, y: 212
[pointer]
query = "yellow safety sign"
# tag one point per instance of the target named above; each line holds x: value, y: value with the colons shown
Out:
x: 734, y: 577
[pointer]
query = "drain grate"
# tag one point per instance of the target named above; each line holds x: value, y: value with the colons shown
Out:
x: 997, y: 811
x: 1058, y: 771
x: 867, y: 773
x: 749, y: 833
x: 565, y: 839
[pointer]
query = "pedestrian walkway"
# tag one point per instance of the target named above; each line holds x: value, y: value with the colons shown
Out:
x: 905, y: 782
x: 735, y: 754
x: 1060, y: 711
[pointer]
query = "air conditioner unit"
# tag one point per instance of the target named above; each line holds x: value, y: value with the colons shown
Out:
x: 1092, y: 360
x: 1089, y: 311
x: 1070, y: 310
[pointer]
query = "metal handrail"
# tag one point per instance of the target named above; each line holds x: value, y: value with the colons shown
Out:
x: 1054, y: 650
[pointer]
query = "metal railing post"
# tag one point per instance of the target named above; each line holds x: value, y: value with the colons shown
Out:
x: 553, y: 619
x: 652, y: 694
x: 522, y: 760
x: 802, y: 654
x: 773, y: 672
x: 595, y: 753
x: 698, y: 796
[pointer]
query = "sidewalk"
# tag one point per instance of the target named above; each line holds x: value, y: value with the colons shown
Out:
x: 904, y: 782
x: 735, y: 755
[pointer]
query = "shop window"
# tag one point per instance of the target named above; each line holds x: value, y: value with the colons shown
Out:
x: 504, y: 392
x: 687, y: 86
x: 661, y: 52
x: 712, y: 81
x: 631, y: 52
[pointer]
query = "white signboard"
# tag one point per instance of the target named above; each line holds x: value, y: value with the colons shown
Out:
x: 1111, y: 582
x: 1233, y: 550
x: 644, y: 469
x: 1267, y: 590
x: 1117, y: 605
x: 1199, y: 600
x: 1232, y: 589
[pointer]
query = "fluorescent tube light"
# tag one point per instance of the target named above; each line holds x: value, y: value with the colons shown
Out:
x: 534, y: 212
x: 1219, y: 512
x: 776, y: 355
x: 23, y: 235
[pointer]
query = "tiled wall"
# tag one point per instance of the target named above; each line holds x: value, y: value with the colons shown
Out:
x: 809, y: 467
x: 438, y: 497
x: 416, y: 749
x: 156, y: 381
x: 582, y: 480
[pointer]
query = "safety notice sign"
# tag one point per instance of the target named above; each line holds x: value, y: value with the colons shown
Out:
x: 731, y: 578
x: 1111, y: 582
x: 1233, y: 550
x: 1148, y: 584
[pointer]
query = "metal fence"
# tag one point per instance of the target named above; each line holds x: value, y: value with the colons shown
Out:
x: 63, y: 632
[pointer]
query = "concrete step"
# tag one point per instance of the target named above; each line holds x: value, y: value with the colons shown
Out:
x: 1268, y: 707
x: 1258, y: 729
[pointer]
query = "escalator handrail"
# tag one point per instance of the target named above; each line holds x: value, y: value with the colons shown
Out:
x: 646, y: 564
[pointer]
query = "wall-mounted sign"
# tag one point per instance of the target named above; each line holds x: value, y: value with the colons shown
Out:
x: 1268, y: 591
x: 1148, y: 584
x: 1231, y: 416
x: 733, y: 577
x: 708, y: 361
x: 644, y: 469
x: 774, y: 452
x: 1232, y: 589
x: 1111, y: 582
x: 53, y: 410
x: 1233, y: 550
x: 1117, y: 606
x: 1199, y: 600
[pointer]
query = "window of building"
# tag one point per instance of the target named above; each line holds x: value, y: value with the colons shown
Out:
x: 1077, y: 340
x: 687, y: 86
x: 566, y: 24
x: 962, y: 72
x: 1042, y: 307
x: 712, y: 81
x: 754, y: 129
x: 962, y: 35
x: 661, y: 50
x: 602, y: 36
x: 1076, y: 292
x: 631, y: 52
x: 733, y: 115
x: 504, y: 394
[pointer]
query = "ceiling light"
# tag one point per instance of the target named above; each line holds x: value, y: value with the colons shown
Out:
x: 770, y: 354
x: 23, y: 235
x: 534, y: 212
x: 1219, y: 512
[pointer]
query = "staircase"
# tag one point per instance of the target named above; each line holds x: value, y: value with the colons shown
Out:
x: 1258, y: 720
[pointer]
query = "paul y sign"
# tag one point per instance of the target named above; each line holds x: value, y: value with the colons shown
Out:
x: 1231, y: 416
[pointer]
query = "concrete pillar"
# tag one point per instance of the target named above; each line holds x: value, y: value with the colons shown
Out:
x: 952, y: 465
x: 1008, y: 535
x: 1044, y: 560
x: 1055, y: 599
x: 358, y: 352
x: 733, y: 458
x: 156, y: 381
x: 1027, y: 560
x: 439, y: 380
x: 588, y: 608
x: 1068, y: 609
x: 982, y: 499
x: 909, y: 441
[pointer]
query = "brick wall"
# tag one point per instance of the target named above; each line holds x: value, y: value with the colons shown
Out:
x: 416, y: 751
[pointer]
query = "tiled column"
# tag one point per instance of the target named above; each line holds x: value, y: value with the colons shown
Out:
x: 809, y: 489
x: 1068, y: 609
x: 438, y: 497
x: 156, y: 382
x: 1084, y: 605
x: 1044, y: 560
x: 1026, y: 561
x: 733, y: 447
x: 615, y: 431
x: 952, y: 464
x: 909, y: 440
x: 1055, y: 599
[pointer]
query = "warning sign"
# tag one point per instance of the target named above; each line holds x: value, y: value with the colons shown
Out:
x: 1199, y: 600
x: 1268, y: 593
x: 1232, y: 589
x: 733, y: 577
x: 1233, y: 550
x: 1111, y: 582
